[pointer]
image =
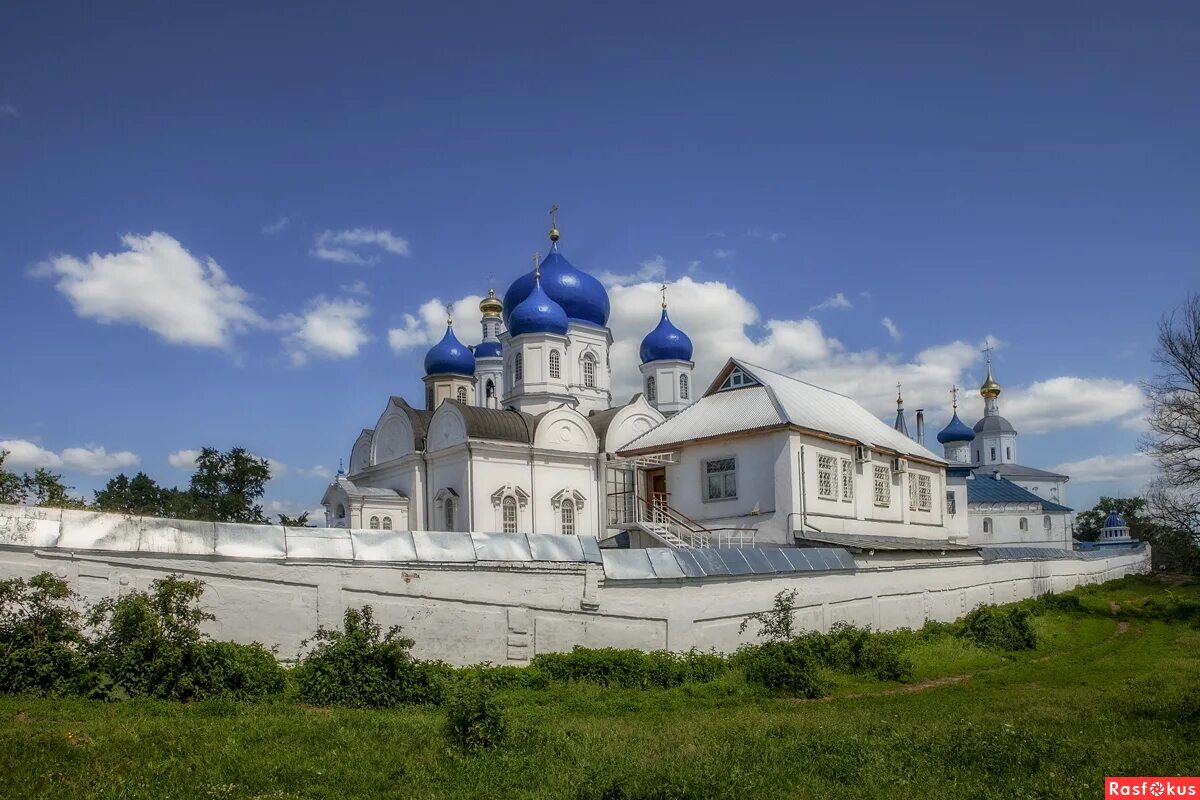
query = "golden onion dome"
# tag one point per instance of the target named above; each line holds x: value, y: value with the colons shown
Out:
x: 990, y: 388
x: 491, y: 305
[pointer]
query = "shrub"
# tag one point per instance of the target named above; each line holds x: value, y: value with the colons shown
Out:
x: 41, y: 646
x: 474, y: 720
x: 788, y: 667
x: 360, y: 668
x: 149, y: 644
x: 1000, y: 627
x: 775, y: 625
x: 633, y: 669
x: 1046, y: 603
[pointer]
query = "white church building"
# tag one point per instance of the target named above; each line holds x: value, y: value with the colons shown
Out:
x: 519, y: 434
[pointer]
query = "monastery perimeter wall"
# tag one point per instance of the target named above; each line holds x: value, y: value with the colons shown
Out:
x: 469, y: 598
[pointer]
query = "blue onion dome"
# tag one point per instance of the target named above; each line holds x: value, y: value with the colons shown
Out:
x: 955, y: 431
x: 449, y: 356
x: 537, y: 313
x: 490, y: 349
x: 1114, y: 520
x: 666, y: 342
x: 581, y: 296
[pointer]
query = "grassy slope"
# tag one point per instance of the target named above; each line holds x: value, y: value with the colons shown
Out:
x: 1098, y: 696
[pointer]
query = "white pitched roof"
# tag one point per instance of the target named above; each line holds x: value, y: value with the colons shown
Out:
x: 778, y: 400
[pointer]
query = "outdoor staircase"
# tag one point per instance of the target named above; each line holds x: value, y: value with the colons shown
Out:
x: 677, y: 531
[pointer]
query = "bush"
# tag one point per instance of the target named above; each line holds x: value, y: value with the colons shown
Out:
x: 788, y: 667
x: 1046, y: 603
x: 474, y: 721
x: 632, y: 669
x: 150, y: 645
x: 1000, y: 627
x: 41, y: 646
x: 360, y: 668
x: 846, y: 648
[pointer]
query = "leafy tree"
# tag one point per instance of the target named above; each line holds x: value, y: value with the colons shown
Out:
x: 12, y: 488
x: 777, y: 624
x: 294, y: 522
x: 226, y: 486
x: 1132, y: 509
x: 137, y: 495
x: 1174, y: 439
x: 41, y: 645
x: 44, y: 487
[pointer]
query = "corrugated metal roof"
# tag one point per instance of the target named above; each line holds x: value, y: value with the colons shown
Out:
x: 780, y: 399
x: 498, y: 424
x: 667, y: 564
x: 417, y: 417
x: 862, y: 541
x: 714, y: 415
x: 1001, y: 490
x: 1016, y: 471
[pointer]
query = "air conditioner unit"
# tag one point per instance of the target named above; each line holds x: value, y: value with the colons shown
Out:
x: 899, y: 465
x: 861, y: 454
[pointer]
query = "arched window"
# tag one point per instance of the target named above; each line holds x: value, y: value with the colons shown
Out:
x: 429, y: 396
x: 508, y: 509
x: 651, y: 389
x: 374, y: 523
x: 555, y: 365
x: 518, y: 367
x: 987, y: 525
x: 568, y: 517
x: 490, y: 389
x: 1024, y: 524
x: 589, y: 371
x: 387, y: 523
x: 1046, y: 524
x: 448, y: 509
x: 683, y: 387
x: 341, y: 511
x: 461, y: 395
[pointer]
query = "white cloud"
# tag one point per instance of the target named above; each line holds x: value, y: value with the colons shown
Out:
x: 769, y: 236
x: 278, y: 468
x: 1133, y: 468
x: 892, y: 330
x: 183, y: 459
x: 158, y: 284
x: 326, y: 329
x: 838, y: 301
x: 348, y: 246
x: 1066, y: 402
x: 722, y: 253
x: 316, y: 472
x: 9, y: 110
x: 649, y: 270
x: 357, y: 287
x: 429, y: 324
x: 277, y: 226
x: 92, y: 459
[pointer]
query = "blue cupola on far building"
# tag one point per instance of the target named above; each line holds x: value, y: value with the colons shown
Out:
x: 581, y: 296
x: 955, y: 431
x: 666, y: 342
x: 488, y: 349
x: 449, y: 356
x: 537, y: 313
x: 1114, y: 520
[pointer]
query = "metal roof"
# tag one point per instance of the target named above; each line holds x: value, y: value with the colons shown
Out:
x: 994, y: 424
x: 860, y: 541
x: 499, y: 424
x: 1001, y: 490
x: 778, y: 400
x: 667, y: 564
x: 1018, y: 471
x: 417, y: 417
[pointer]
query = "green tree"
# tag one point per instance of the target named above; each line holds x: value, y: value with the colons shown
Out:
x: 294, y: 522
x: 43, y: 487
x: 12, y: 487
x: 137, y: 495
x: 227, y: 486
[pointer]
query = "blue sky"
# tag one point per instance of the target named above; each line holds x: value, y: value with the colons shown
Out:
x: 1026, y: 172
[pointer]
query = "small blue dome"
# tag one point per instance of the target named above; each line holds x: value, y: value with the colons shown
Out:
x: 487, y: 350
x: 449, y: 357
x: 537, y: 313
x: 1114, y: 520
x: 666, y: 343
x: 581, y: 296
x: 955, y: 431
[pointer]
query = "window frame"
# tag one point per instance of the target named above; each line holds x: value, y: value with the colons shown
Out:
x: 460, y: 395
x: 587, y: 365
x: 555, y: 365
x: 882, y: 485
x: 566, y: 509
x: 827, y: 468
x: 847, y: 477
x: 651, y: 389
x: 684, y: 388
x: 374, y: 523
x: 519, y: 367
x: 386, y: 523
x: 726, y: 476
x: 509, y: 502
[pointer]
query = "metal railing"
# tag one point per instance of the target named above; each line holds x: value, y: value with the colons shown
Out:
x: 675, y: 528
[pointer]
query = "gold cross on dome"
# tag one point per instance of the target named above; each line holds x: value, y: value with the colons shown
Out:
x: 663, y: 289
x: 954, y: 395
x: 554, y: 216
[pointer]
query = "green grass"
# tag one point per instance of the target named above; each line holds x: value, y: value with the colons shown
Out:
x: 1100, y: 695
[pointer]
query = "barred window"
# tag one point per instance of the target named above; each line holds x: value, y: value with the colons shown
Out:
x: 568, y: 517
x: 924, y: 493
x: 374, y: 523
x: 518, y: 367
x: 951, y: 503
x: 555, y: 365
x: 387, y: 523
x: 883, y: 486
x: 651, y: 389
x: 847, y: 480
x: 720, y: 479
x: 589, y: 371
x: 825, y: 469
x: 461, y: 395
x: 509, y: 511
x: 912, y: 492
x: 683, y: 387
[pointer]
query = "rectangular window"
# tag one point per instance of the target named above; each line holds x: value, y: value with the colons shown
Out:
x: 826, y: 487
x: 924, y: 493
x: 993, y: 454
x: 620, y: 496
x: 883, y: 486
x: 951, y: 505
x: 720, y: 479
x: 912, y: 492
x: 847, y: 480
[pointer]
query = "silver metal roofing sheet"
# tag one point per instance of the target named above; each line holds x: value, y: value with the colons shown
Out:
x: 319, y: 543
x: 664, y: 563
x: 735, y: 561
x: 372, y: 545
x: 778, y: 560
x: 627, y: 565
x: 501, y: 547
x: 686, y: 559
x: 757, y: 559
x: 798, y: 560
x: 250, y: 541
x: 444, y: 546
x: 710, y: 562
x: 555, y: 547
x: 714, y: 415
x: 178, y: 537
x: 591, y: 549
